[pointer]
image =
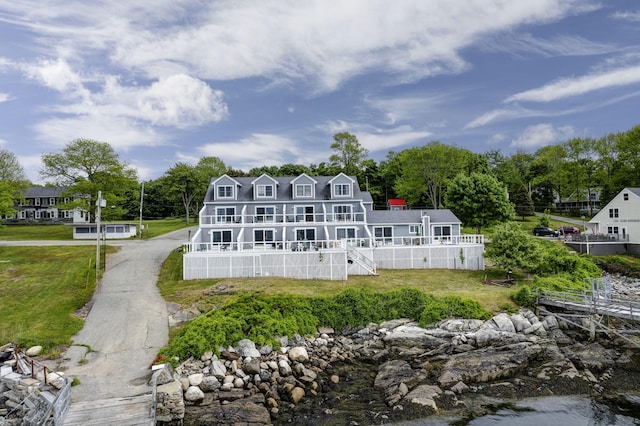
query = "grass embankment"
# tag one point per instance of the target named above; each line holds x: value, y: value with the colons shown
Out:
x: 40, y: 289
x: 439, y: 283
x: 154, y: 228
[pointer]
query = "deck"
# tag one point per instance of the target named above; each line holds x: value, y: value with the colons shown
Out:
x: 114, y: 411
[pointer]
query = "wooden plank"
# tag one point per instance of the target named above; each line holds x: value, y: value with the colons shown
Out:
x: 113, y: 411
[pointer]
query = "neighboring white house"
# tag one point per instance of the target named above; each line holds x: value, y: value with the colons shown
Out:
x: 109, y: 231
x: 318, y: 227
x: 620, y: 218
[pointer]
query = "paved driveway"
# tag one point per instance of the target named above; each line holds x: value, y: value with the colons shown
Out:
x: 126, y: 325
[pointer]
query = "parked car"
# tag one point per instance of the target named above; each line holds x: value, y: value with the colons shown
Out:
x: 568, y: 230
x: 545, y: 231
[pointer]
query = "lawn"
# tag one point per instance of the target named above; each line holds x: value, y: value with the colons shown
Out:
x: 152, y: 228
x: 40, y: 289
x: 438, y: 282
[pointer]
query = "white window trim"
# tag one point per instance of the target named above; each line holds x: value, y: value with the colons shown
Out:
x: 225, y: 197
x: 263, y: 230
x: 265, y: 215
x: 36, y: 202
x: 344, y: 216
x: 355, y: 231
x: 303, y: 185
x: 304, y: 213
x: 224, y: 218
x: 263, y: 188
x: 341, y: 185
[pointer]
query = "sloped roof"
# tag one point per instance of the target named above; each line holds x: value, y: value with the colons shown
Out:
x: 43, y: 192
x: 411, y: 216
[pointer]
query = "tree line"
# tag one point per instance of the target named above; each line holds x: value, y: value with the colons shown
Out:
x: 434, y: 175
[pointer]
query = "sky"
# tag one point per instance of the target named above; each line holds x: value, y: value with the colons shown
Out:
x: 257, y: 82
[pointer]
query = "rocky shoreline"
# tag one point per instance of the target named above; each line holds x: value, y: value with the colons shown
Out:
x: 398, y: 371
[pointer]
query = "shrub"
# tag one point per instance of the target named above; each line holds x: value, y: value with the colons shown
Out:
x: 524, y: 298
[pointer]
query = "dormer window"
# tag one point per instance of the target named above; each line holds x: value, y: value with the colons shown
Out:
x: 264, y: 191
x: 225, y: 191
x: 304, y: 190
x: 342, y: 189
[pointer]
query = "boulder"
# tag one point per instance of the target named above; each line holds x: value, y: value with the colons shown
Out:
x: 425, y: 395
x: 298, y: 354
x: 218, y: 369
x: 412, y: 335
x: 245, y: 411
x: 251, y: 366
x: 460, y: 325
x: 34, y: 351
x: 194, y: 394
x: 195, y: 379
x: 297, y: 393
x: 246, y: 348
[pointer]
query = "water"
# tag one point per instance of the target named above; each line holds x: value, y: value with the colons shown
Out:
x: 557, y: 410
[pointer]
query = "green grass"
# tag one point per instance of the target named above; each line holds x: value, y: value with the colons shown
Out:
x: 154, y: 228
x: 40, y: 289
x: 438, y: 282
x: 35, y: 232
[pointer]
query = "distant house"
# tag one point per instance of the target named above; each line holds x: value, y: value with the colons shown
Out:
x: 44, y: 204
x: 615, y: 228
x: 396, y: 204
x: 109, y: 231
x: 318, y: 227
x: 586, y: 202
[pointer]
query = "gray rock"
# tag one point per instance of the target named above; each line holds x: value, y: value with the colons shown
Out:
x: 298, y: 354
x: 251, y: 366
x: 410, y: 335
x: 218, y: 370
x: 425, y: 395
x: 460, y: 325
x: 194, y: 394
x: 247, y: 348
x: 209, y: 384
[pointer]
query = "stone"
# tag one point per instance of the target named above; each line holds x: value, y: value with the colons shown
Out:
x: 164, y: 374
x: 460, y: 388
x: 412, y: 336
x: 209, y: 384
x: 169, y: 402
x: 425, y: 395
x: 246, y: 348
x: 34, y: 351
x: 245, y: 411
x: 284, y: 368
x: 184, y: 381
x: 394, y: 372
x: 298, y: 354
x: 238, y: 383
x: 218, y: 369
x: 502, y: 322
x: 194, y: 394
x: 297, y: 393
x: 334, y: 379
x: 207, y: 356
x: 195, y: 379
x: 251, y: 366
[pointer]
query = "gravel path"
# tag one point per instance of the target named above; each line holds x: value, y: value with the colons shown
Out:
x: 126, y: 325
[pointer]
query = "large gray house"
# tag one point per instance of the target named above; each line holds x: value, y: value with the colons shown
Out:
x: 318, y: 227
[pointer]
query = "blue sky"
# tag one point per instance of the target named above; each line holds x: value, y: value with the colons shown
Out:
x: 257, y: 82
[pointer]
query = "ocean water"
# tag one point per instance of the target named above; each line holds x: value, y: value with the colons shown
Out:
x: 556, y: 410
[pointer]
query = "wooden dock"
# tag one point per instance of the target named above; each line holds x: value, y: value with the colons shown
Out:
x: 129, y: 411
x: 583, y: 302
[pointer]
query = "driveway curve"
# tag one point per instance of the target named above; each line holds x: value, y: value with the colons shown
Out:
x: 126, y: 325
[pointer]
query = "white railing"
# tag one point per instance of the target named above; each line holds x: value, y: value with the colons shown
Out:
x: 284, y: 218
x: 315, y: 245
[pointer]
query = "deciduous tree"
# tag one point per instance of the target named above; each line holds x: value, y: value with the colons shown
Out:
x: 348, y: 153
x: 87, y: 166
x: 478, y: 200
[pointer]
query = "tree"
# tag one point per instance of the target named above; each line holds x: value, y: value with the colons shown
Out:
x: 85, y: 167
x: 190, y: 183
x: 513, y: 248
x: 426, y: 171
x: 349, y: 154
x: 12, y: 182
x: 523, y: 203
x: 479, y: 200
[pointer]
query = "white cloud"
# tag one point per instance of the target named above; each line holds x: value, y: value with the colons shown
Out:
x: 569, y: 87
x: 541, y: 135
x: 324, y: 41
x: 389, y: 139
x: 32, y: 164
x: 627, y: 16
x: 563, y: 45
x: 4, y: 97
x: 253, y: 151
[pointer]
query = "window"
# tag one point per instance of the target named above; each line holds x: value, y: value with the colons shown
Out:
x: 342, y: 233
x: 342, y: 189
x: 85, y: 230
x: 414, y: 229
x: 37, y: 201
x: 612, y: 230
x: 225, y: 191
x: 221, y: 237
x: 626, y: 197
x: 66, y: 200
x: 342, y: 213
x: 265, y: 214
x: 225, y: 214
x: 304, y: 214
x: 265, y: 191
x: 308, y: 234
x: 263, y: 235
x: 303, y: 190
x: 613, y: 213
x: 442, y: 232
x: 383, y: 233
x: 52, y: 201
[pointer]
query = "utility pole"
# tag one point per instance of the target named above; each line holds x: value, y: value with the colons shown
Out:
x: 141, y: 201
x: 99, y: 204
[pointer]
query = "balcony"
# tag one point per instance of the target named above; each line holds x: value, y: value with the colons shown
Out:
x: 282, y: 218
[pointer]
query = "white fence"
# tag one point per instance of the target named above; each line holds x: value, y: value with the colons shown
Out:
x: 322, y: 265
